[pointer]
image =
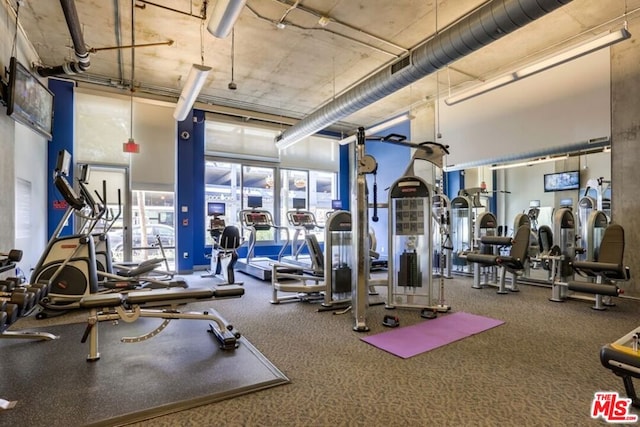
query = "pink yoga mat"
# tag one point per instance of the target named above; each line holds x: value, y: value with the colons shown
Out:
x: 411, y: 340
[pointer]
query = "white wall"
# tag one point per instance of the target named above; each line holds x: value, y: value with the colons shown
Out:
x: 23, y: 160
x: 561, y: 106
x: 30, y: 196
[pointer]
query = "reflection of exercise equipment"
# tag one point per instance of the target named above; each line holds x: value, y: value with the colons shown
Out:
x: 226, y: 240
x: 255, y: 220
x: 461, y: 230
x: 513, y: 263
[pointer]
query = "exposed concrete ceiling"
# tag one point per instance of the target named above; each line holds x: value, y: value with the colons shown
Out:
x: 293, y: 68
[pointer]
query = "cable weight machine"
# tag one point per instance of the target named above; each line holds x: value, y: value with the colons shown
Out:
x: 366, y: 164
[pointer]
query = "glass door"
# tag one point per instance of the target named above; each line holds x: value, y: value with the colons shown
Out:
x: 117, y: 221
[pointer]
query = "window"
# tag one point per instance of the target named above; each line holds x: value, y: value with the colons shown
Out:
x: 243, y: 162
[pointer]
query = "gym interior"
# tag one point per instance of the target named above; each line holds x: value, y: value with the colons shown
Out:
x: 410, y: 213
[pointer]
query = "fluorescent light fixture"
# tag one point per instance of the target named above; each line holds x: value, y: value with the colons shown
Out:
x: 378, y: 128
x: 190, y: 90
x: 583, y: 49
x: 529, y: 162
x: 224, y: 16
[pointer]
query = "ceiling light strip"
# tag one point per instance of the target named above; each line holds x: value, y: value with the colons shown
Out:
x: 583, y: 49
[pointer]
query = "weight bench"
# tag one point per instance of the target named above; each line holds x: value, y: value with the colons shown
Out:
x: 607, y: 269
x: 622, y: 357
x: 513, y: 263
x: 131, y: 306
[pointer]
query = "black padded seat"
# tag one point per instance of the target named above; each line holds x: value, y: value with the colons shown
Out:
x: 609, y: 263
x: 102, y: 300
x: 146, y: 266
x: 517, y: 254
x: 607, y: 267
x: 230, y: 238
x: 160, y: 295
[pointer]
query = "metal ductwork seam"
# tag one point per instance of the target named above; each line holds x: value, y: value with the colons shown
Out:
x: 480, y: 28
x: 82, y: 62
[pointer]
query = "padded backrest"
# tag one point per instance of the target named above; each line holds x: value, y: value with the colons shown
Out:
x: 545, y: 238
x: 520, y: 246
x: 230, y: 238
x: 612, y: 245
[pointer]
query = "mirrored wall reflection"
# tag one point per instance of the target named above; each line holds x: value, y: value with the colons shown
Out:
x: 579, y: 182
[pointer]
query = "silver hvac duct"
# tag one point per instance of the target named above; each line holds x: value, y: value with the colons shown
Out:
x: 82, y: 55
x: 487, y: 24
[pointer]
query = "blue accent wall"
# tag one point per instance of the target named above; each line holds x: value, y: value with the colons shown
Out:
x: 392, y: 161
x: 63, y: 138
x: 344, y: 186
x: 190, y: 191
x: 454, y: 182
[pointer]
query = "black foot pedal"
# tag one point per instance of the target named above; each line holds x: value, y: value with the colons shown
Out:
x: 391, y: 321
x: 427, y: 313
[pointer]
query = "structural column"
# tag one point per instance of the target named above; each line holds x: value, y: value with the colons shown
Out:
x: 625, y: 149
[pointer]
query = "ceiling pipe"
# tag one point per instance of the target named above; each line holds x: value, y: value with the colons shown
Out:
x: 480, y: 28
x: 82, y: 62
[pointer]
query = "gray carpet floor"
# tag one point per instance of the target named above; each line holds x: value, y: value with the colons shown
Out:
x: 541, y: 368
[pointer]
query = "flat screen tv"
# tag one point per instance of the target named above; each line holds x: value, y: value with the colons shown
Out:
x: 299, y: 203
x: 28, y: 100
x: 215, y: 208
x: 336, y: 204
x: 562, y: 181
x: 254, y: 201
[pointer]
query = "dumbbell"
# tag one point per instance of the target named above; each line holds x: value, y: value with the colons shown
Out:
x: 24, y: 300
x: 10, y: 312
x: 14, y: 255
x: 14, y: 284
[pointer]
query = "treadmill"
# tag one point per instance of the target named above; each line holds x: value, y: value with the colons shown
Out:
x: 254, y: 220
x: 304, y: 222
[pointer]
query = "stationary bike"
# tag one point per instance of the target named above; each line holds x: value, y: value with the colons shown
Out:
x: 226, y: 240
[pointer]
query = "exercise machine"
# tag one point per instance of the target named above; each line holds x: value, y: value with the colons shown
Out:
x: 226, y: 240
x: 333, y: 286
x: 622, y: 357
x: 442, y: 260
x: 255, y: 220
x: 135, y: 305
x: 410, y: 242
x: 461, y: 231
x: 603, y: 269
x: 513, y: 263
x: 304, y: 223
x: 68, y: 266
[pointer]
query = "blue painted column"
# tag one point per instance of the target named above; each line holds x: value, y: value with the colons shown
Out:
x: 63, y: 139
x: 190, y: 193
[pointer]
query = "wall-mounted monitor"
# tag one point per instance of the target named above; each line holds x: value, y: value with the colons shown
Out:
x: 254, y: 201
x: 562, y: 181
x: 216, y: 209
x: 28, y: 100
x: 336, y: 204
x: 299, y: 203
